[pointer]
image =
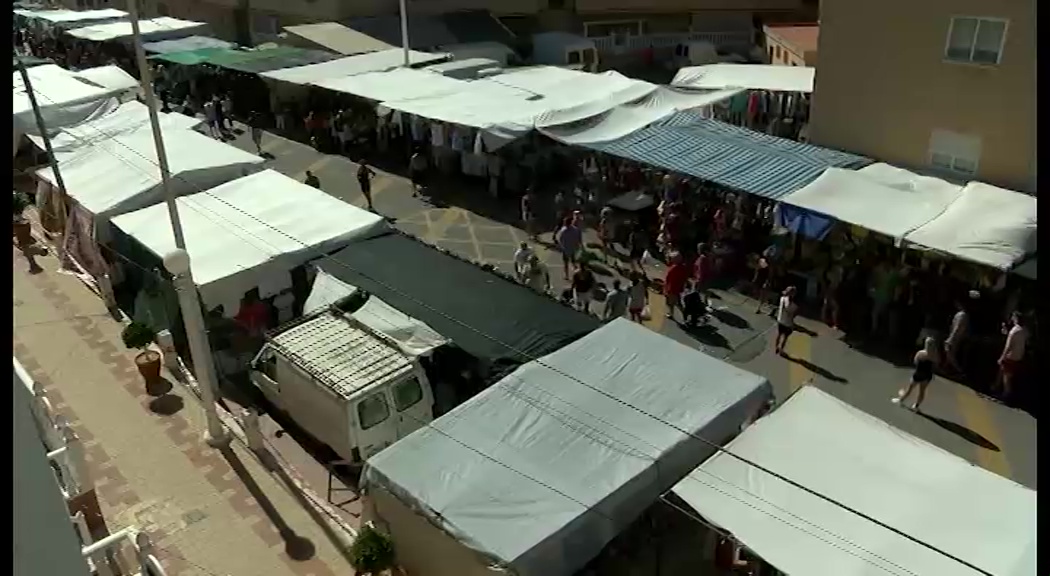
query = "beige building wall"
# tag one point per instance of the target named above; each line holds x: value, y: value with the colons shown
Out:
x: 886, y: 87
x: 784, y: 54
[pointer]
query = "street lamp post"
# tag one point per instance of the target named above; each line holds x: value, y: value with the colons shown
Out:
x: 404, y: 31
x: 178, y: 261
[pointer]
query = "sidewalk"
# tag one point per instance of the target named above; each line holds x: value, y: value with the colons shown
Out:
x: 209, y: 512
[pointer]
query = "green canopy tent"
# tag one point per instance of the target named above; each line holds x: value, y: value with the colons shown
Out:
x: 256, y: 61
x: 191, y: 57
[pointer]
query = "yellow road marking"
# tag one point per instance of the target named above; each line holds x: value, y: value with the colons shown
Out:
x: 977, y: 418
x: 800, y: 347
x: 657, y: 311
x: 438, y: 228
x: 473, y: 236
x: 317, y: 165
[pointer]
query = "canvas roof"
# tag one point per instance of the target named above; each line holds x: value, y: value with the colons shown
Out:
x: 267, y: 59
x: 66, y: 97
x: 541, y: 470
x: 57, y: 16
x: 188, y: 43
x: 128, y: 117
x: 397, y: 83
x: 750, y: 76
x: 338, y: 38
x: 488, y: 316
x: 156, y: 28
x: 121, y: 174
x: 891, y: 209
x: 732, y: 156
x: 342, y: 68
x: 987, y: 225
x: 863, y: 463
x: 242, y: 232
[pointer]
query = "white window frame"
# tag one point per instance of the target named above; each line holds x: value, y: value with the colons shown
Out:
x: 973, y: 44
x: 639, y: 23
x: 951, y: 168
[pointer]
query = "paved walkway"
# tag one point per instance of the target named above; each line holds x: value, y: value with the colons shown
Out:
x: 210, y: 512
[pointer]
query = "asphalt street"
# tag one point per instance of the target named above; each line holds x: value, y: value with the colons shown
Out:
x: 468, y: 222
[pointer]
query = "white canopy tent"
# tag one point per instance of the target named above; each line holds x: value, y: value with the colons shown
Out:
x: 56, y: 16
x: 536, y: 474
x: 622, y: 119
x: 986, y: 225
x: 128, y: 117
x: 748, y: 76
x: 155, y: 29
x: 396, y: 83
x: 586, y: 93
x: 864, y: 463
x: 342, y: 68
x: 337, y: 38
x: 413, y: 336
x: 251, y: 232
x: 121, y: 174
x: 891, y: 209
x: 66, y: 98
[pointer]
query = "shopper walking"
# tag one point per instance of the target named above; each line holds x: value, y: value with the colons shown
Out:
x: 786, y: 311
x: 257, y: 132
x: 537, y: 276
x: 522, y: 257
x: 957, y: 334
x: 616, y: 302
x: 364, y: 181
x: 923, y: 361
x: 1013, y: 353
x: 312, y: 180
x: 637, y: 297
x: 569, y: 239
x: 583, y: 288
x: 674, y: 283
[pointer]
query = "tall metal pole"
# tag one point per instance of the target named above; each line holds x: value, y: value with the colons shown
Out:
x: 178, y: 262
x: 41, y: 127
x: 404, y: 31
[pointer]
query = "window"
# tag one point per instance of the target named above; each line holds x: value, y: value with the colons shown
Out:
x: 574, y: 57
x: 976, y: 40
x: 776, y: 50
x: 407, y: 394
x: 956, y: 153
x: 372, y: 410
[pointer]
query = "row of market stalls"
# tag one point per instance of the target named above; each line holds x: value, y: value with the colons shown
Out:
x: 539, y: 473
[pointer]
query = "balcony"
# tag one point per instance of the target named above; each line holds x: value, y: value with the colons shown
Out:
x: 126, y: 552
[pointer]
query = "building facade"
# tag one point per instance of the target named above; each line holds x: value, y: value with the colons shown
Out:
x: 792, y: 45
x: 950, y: 87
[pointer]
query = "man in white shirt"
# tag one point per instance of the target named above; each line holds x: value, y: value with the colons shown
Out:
x: 522, y: 256
x: 1013, y: 353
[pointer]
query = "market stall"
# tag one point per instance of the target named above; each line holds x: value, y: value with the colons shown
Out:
x: 340, y: 68
x: 121, y: 174
x: 986, y: 225
x: 66, y: 98
x: 926, y: 495
x: 250, y: 233
x: 187, y: 44
x: 892, y: 210
x: 535, y: 475
x: 152, y: 30
x: 747, y: 76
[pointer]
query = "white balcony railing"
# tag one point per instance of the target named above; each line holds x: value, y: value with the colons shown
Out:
x: 109, y: 556
x: 628, y: 44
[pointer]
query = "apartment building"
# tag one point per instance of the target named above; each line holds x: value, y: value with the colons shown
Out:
x: 792, y: 45
x: 945, y: 85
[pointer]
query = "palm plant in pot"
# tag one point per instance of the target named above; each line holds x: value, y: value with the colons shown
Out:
x: 372, y: 552
x: 138, y: 336
x: 23, y: 230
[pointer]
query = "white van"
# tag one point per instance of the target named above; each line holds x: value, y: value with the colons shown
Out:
x: 349, y: 386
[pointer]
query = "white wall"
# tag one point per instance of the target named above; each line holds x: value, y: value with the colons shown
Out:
x: 44, y: 540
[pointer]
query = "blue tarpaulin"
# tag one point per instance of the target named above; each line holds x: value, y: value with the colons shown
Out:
x: 803, y: 222
x: 729, y: 155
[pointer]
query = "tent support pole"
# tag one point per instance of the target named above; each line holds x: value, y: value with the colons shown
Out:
x: 404, y: 31
x: 178, y: 262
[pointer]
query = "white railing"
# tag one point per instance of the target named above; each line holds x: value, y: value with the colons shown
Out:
x: 628, y: 44
x: 64, y: 448
x: 106, y: 558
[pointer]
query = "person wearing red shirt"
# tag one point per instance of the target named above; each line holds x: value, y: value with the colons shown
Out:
x: 254, y: 314
x: 674, y: 283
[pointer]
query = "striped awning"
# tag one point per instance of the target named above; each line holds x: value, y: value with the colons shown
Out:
x: 729, y: 155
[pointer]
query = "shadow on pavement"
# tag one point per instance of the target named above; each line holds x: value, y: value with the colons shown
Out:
x: 822, y: 372
x: 962, y: 431
x: 730, y: 319
x: 298, y: 548
x: 166, y: 405
x: 707, y: 334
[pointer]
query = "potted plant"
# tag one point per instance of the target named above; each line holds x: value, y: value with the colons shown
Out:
x: 23, y: 229
x: 138, y: 336
x: 372, y: 553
